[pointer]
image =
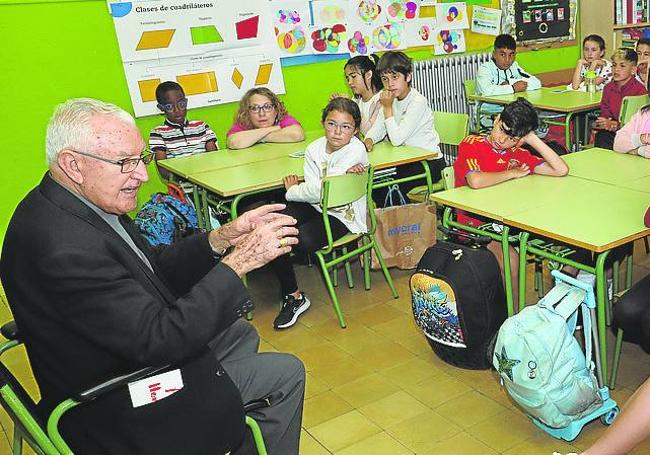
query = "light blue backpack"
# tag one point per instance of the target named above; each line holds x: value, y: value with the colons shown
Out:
x: 541, y: 364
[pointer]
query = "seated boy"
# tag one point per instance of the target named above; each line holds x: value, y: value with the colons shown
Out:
x: 624, y: 83
x: 643, y: 53
x: 503, y: 75
x: 489, y: 160
x: 178, y: 136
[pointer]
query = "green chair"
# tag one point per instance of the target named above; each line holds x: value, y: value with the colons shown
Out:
x: 452, y: 128
x: 339, y: 191
x: 44, y: 437
x: 631, y: 105
x: 469, y: 88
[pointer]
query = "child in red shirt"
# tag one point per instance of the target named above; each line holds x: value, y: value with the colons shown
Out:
x: 489, y: 160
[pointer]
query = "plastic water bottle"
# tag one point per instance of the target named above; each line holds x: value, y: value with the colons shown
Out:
x: 590, y: 81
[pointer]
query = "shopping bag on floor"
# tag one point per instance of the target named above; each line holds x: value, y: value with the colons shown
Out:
x: 404, y: 233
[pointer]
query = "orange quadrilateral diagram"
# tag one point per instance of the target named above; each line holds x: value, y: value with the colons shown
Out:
x: 148, y: 89
x: 193, y: 84
x: 263, y: 74
x: 155, y: 39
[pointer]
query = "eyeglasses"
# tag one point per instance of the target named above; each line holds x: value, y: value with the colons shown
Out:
x: 127, y: 164
x: 169, y: 107
x: 345, y: 128
x: 257, y: 108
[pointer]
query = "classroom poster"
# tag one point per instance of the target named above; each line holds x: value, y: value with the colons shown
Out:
x: 420, y: 32
x: 452, y: 15
x: 449, y: 42
x: 214, y: 50
x: 291, y: 21
x: 486, y: 20
x: 401, y: 10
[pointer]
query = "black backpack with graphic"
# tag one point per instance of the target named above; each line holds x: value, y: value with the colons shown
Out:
x: 458, y: 300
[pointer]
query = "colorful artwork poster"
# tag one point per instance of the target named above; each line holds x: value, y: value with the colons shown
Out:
x: 420, y: 32
x: 452, y: 15
x: 291, y: 21
x: 360, y: 40
x: 388, y: 37
x: 330, y: 12
x: 366, y: 11
x: 400, y: 10
x: 329, y: 39
x: 449, y: 42
x: 487, y: 20
x: 208, y: 80
x: 172, y: 28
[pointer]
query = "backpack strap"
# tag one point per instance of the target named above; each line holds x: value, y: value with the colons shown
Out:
x: 563, y: 299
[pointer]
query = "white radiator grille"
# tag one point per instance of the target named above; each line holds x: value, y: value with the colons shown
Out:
x: 441, y: 80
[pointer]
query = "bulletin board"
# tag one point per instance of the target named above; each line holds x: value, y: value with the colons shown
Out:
x: 533, y: 22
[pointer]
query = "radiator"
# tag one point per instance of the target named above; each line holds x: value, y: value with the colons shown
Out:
x: 441, y: 81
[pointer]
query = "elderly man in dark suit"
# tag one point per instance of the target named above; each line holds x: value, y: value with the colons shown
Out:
x: 92, y: 300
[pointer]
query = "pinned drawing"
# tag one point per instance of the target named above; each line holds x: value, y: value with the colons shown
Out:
x: 368, y: 10
x: 329, y: 12
x: 449, y: 42
x: 401, y: 10
x: 387, y: 37
x: 148, y: 89
x: 247, y: 28
x: 263, y: 74
x: 329, y: 39
x: 155, y: 39
x: 360, y: 43
x: 452, y: 15
x: 237, y: 78
x: 292, y: 41
x: 420, y: 32
x: 207, y: 34
x: 194, y: 84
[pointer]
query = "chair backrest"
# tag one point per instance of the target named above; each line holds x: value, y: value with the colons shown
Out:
x: 448, y: 177
x: 343, y: 189
x: 470, y: 88
x: 631, y: 105
x: 451, y: 127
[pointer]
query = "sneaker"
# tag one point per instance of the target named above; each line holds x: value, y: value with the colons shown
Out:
x: 292, y: 308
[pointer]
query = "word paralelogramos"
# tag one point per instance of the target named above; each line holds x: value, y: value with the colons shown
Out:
x: 184, y: 6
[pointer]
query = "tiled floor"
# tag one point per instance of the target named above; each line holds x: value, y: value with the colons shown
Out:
x: 377, y: 388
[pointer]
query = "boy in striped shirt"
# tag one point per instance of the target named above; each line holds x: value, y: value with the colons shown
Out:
x: 178, y: 136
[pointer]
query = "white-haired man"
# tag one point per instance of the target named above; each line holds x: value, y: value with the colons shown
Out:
x: 92, y: 301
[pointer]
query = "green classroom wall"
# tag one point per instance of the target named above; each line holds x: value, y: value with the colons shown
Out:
x: 53, y: 51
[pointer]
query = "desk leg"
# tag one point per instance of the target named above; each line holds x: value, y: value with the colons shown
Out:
x: 427, y: 176
x: 198, y: 205
x: 567, y: 133
x: 523, y: 248
x: 601, y: 302
x: 507, y: 273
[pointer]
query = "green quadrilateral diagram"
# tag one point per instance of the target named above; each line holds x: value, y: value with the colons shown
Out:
x: 206, y: 34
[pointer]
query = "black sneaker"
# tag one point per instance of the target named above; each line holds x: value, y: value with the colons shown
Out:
x: 291, y: 309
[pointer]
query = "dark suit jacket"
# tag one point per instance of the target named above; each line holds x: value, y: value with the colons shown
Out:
x: 88, y: 309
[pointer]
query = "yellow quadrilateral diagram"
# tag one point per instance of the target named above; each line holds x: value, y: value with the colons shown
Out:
x: 148, y: 89
x: 155, y: 39
x: 237, y: 77
x: 263, y: 74
x: 193, y: 84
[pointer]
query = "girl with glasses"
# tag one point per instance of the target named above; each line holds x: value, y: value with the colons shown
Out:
x: 262, y: 118
x: 178, y: 136
x: 338, y: 152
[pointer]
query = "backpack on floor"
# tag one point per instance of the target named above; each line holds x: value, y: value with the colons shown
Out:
x: 165, y: 218
x: 458, y: 301
x: 540, y: 362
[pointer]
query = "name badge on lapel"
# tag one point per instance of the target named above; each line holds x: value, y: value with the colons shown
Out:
x: 155, y: 388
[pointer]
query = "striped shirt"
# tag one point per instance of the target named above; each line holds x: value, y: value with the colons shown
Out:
x: 181, y: 140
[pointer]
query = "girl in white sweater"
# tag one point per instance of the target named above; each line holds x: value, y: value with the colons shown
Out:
x: 338, y: 152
